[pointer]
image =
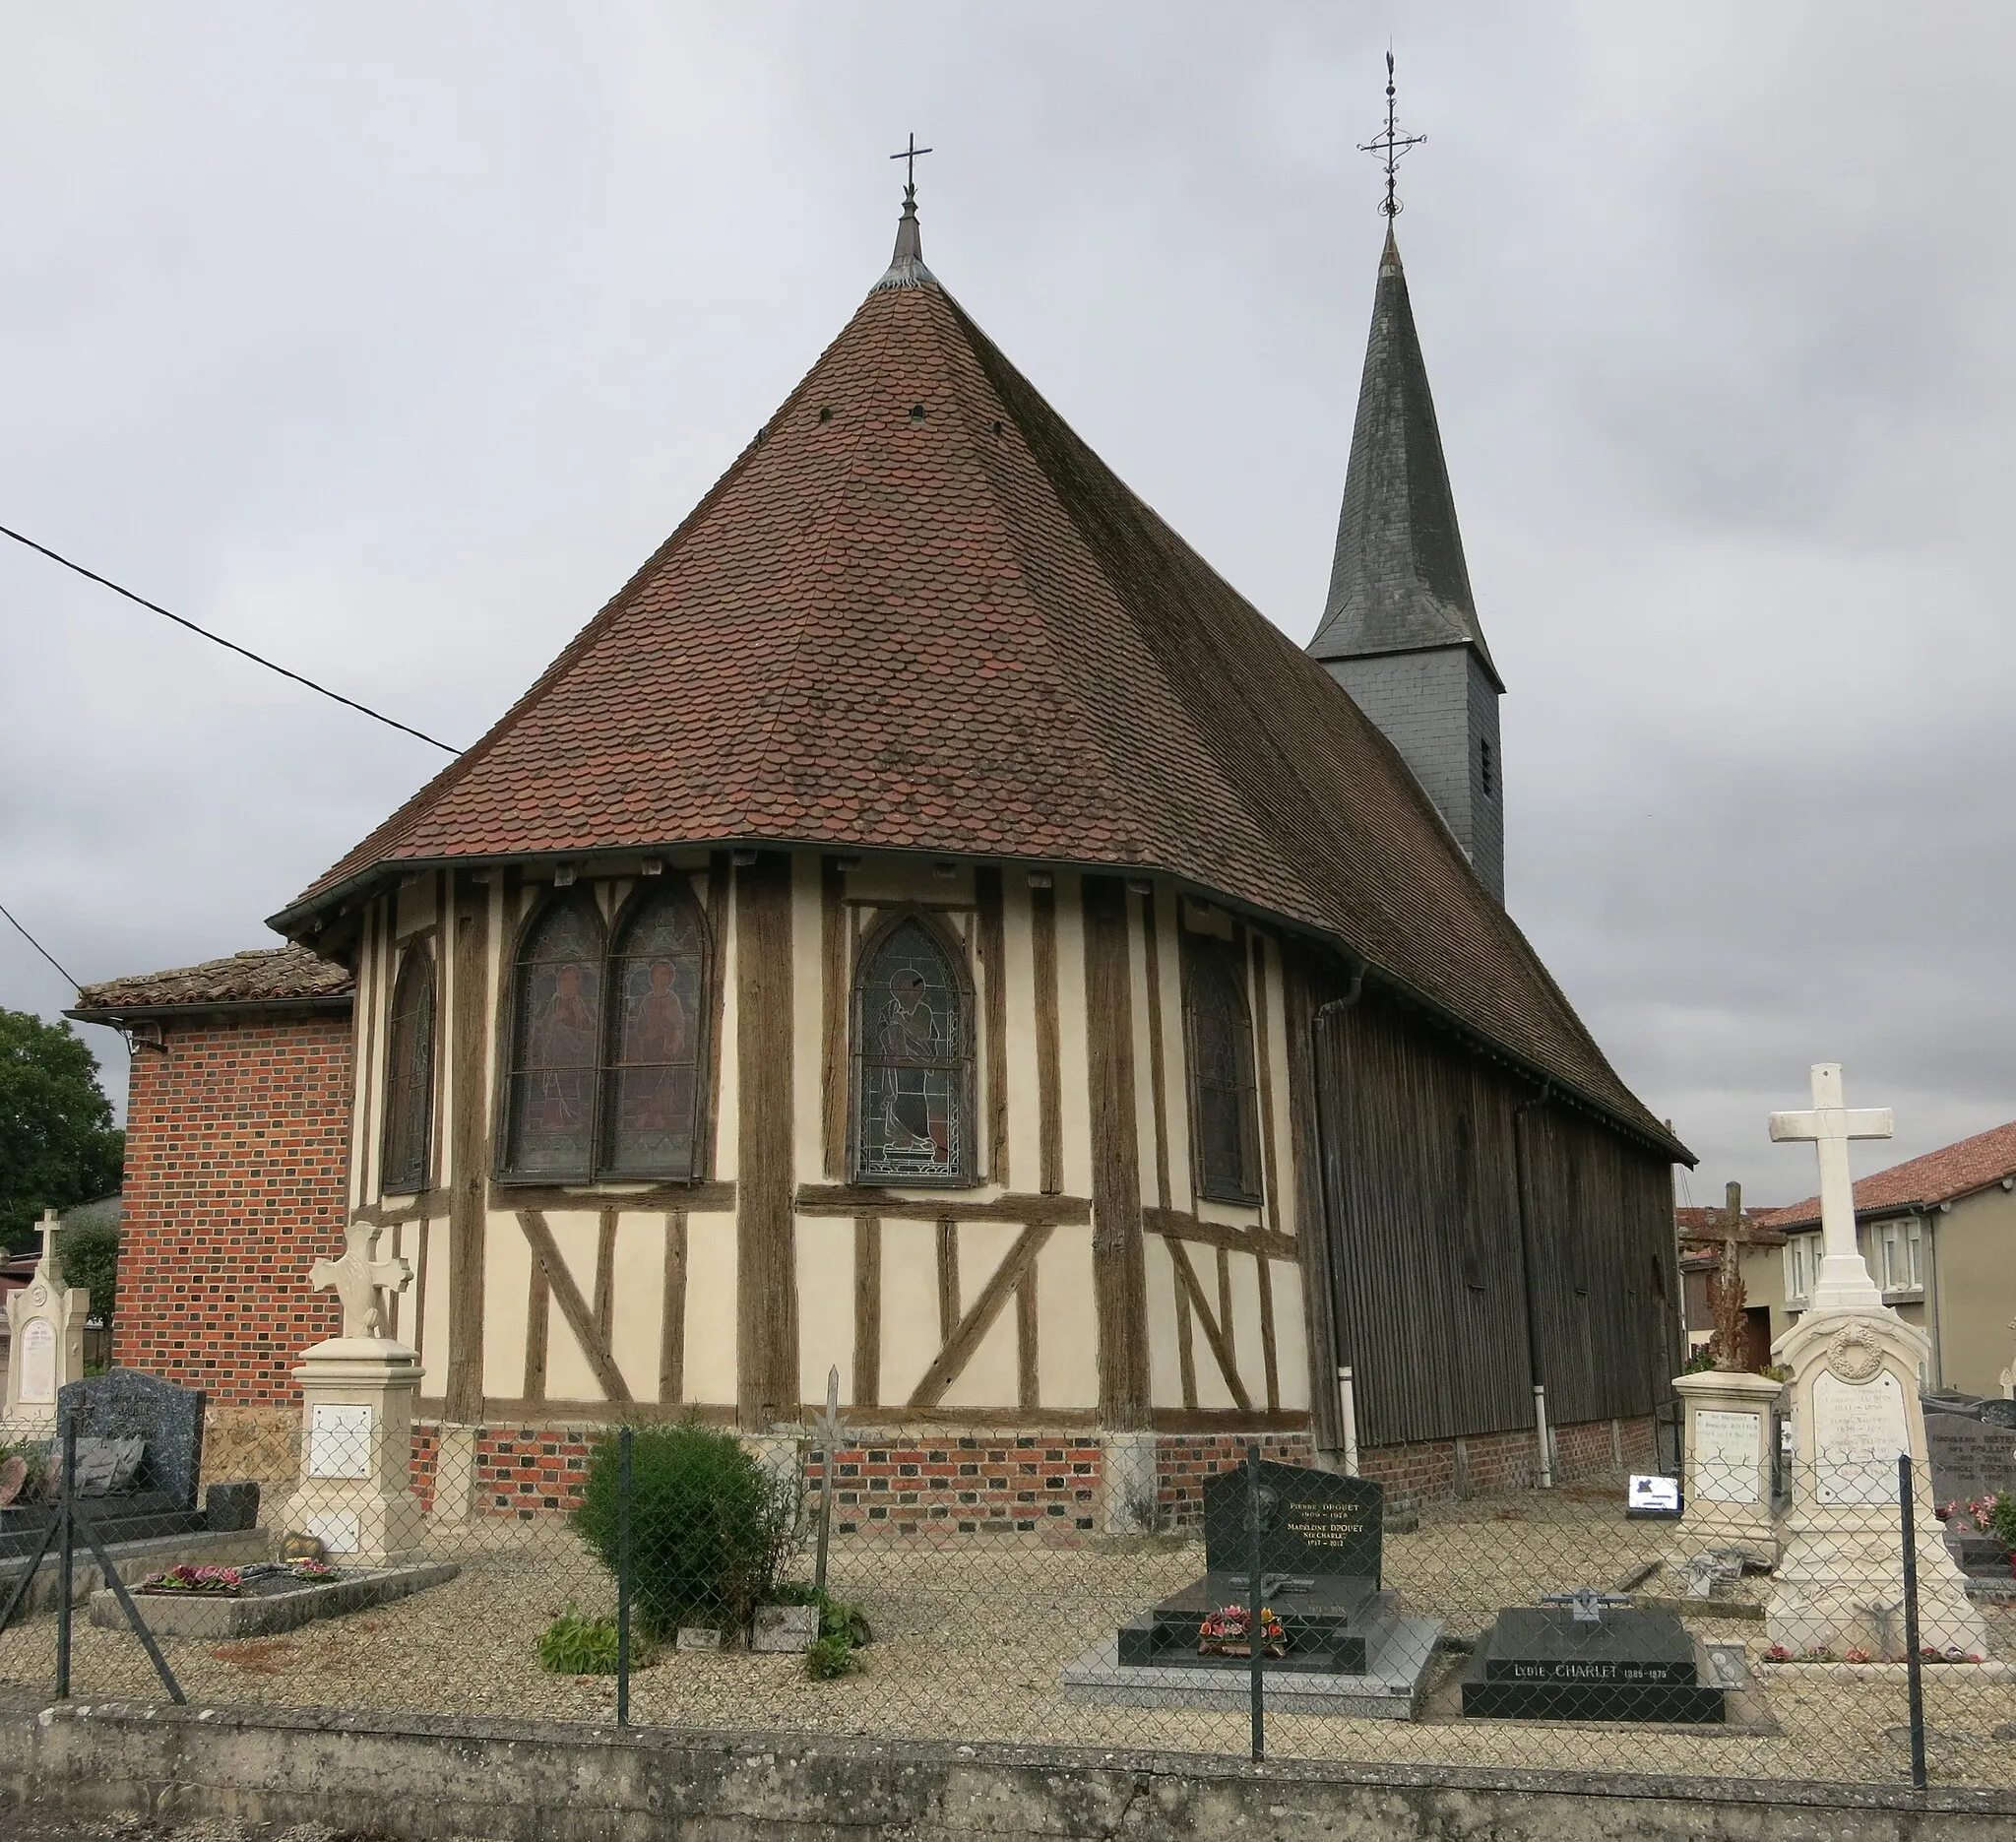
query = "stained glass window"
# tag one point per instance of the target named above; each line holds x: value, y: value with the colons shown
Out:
x: 657, y: 976
x: 409, y: 1074
x: 1225, y: 1134
x: 912, y: 1062
x: 556, y: 1042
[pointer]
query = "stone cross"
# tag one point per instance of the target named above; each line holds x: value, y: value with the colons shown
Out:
x: 51, y: 1265
x: 357, y: 1280
x: 1845, y: 1282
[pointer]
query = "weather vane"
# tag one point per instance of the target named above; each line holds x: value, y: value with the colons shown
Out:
x: 1390, y: 146
x: 910, y: 156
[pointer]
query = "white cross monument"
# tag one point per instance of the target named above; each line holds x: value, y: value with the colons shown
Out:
x: 1845, y: 1281
x: 357, y: 1396
x: 45, y: 1335
x: 1855, y: 1412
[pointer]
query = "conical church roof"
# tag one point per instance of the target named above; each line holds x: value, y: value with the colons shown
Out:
x: 918, y: 613
x: 1398, y: 581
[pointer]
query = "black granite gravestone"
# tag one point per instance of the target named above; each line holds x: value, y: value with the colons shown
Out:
x: 1540, y: 1663
x: 161, y: 1499
x: 1970, y: 1455
x: 1320, y: 1537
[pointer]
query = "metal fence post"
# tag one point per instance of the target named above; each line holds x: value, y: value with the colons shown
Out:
x: 624, y: 1437
x: 1913, y: 1663
x: 1256, y: 1643
x: 65, y: 1568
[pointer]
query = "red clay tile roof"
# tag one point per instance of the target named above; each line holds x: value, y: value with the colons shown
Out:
x: 258, y: 975
x: 918, y: 613
x: 1938, y: 1176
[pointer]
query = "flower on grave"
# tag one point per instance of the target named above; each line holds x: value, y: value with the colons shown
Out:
x: 1817, y: 1653
x: 1227, y: 1633
x: 194, y: 1579
x: 1777, y: 1653
x: 1856, y: 1655
x: 306, y: 1569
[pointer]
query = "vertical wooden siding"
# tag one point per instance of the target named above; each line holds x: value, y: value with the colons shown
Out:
x: 1420, y: 1185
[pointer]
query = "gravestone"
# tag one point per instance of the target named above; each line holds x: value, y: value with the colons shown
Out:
x: 45, y: 1337
x: 1320, y: 1537
x: 1590, y: 1660
x: 1972, y: 1456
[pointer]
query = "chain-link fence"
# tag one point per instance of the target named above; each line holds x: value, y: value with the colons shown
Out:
x: 677, y: 1575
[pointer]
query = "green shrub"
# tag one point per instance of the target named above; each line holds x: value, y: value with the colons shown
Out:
x: 2002, y: 1520
x: 830, y: 1657
x: 709, y: 1528
x: 575, y: 1646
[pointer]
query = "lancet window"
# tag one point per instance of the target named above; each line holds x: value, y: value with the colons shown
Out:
x: 1224, y: 1132
x: 912, y: 1057
x: 408, y: 1075
x: 605, y: 1037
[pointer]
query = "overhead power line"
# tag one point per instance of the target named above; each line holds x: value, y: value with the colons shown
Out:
x: 41, y: 950
x: 217, y: 639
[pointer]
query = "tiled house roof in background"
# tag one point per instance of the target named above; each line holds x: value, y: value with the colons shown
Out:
x: 920, y: 614
x: 1938, y: 1176
x: 258, y: 975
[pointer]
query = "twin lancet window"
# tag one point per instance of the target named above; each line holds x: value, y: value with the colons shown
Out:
x: 608, y: 1027
x: 605, y: 1033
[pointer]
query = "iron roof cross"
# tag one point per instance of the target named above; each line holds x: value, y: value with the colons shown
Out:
x: 1844, y: 1279
x: 1390, y: 145
x: 910, y: 157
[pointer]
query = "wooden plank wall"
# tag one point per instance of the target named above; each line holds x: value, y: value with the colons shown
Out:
x: 1420, y: 1183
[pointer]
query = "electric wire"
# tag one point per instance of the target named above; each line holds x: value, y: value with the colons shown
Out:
x: 43, y: 950
x: 217, y: 639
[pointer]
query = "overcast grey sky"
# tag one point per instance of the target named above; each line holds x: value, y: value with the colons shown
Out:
x: 390, y: 340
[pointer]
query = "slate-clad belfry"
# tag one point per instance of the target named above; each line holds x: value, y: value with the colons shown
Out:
x: 928, y: 924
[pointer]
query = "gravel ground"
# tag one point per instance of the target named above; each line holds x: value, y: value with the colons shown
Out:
x: 970, y: 1639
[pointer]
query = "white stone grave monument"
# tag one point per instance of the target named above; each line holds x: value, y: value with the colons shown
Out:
x: 357, y: 1396
x: 1854, y: 1409
x: 46, y: 1336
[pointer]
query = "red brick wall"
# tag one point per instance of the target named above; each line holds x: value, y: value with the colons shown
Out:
x: 237, y: 1150
x: 1183, y: 1461
x: 1026, y: 1483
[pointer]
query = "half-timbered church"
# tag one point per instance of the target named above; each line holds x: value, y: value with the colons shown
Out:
x: 930, y: 925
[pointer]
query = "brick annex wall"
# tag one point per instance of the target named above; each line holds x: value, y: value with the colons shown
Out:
x: 1436, y: 1470
x: 237, y: 1152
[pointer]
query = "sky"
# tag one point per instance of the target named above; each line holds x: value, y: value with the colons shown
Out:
x: 388, y: 341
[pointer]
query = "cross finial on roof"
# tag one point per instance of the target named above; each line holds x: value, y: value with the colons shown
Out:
x: 1390, y: 146
x: 910, y: 157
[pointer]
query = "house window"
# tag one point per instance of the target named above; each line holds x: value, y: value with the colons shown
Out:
x: 1225, y: 1133
x: 913, y: 1053
x: 604, y: 1040
x: 408, y: 1075
x: 1897, y: 1263
x: 1799, y: 1255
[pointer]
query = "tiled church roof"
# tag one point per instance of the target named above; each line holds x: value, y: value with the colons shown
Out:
x: 920, y: 614
x: 259, y: 976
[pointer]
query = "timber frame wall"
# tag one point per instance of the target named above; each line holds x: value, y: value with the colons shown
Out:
x: 1081, y: 1281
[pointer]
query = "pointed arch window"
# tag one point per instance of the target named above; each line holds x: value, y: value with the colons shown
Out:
x: 408, y: 1075
x: 607, y: 1033
x: 913, y: 1053
x: 658, y: 978
x: 1225, y: 1131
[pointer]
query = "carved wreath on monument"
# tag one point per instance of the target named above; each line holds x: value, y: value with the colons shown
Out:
x: 1855, y: 1356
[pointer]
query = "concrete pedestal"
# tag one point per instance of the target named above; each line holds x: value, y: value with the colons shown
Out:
x: 1854, y: 1408
x: 355, y: 1497
x: 1727, y: 1462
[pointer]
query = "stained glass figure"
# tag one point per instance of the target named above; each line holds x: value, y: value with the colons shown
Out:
x: 1225, y: 1133
x: 657, y: 974
x: 409, y: 1075
x: 911, y: 1064
x: 556, y: 1042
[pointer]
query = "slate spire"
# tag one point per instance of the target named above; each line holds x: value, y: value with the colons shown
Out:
x: 1398, y: 581
x: 1400, y: 630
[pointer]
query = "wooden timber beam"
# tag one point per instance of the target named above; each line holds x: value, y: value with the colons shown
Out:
x: 573, y: 1306
x: 972, y: 1329
x: 856, y: 1200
